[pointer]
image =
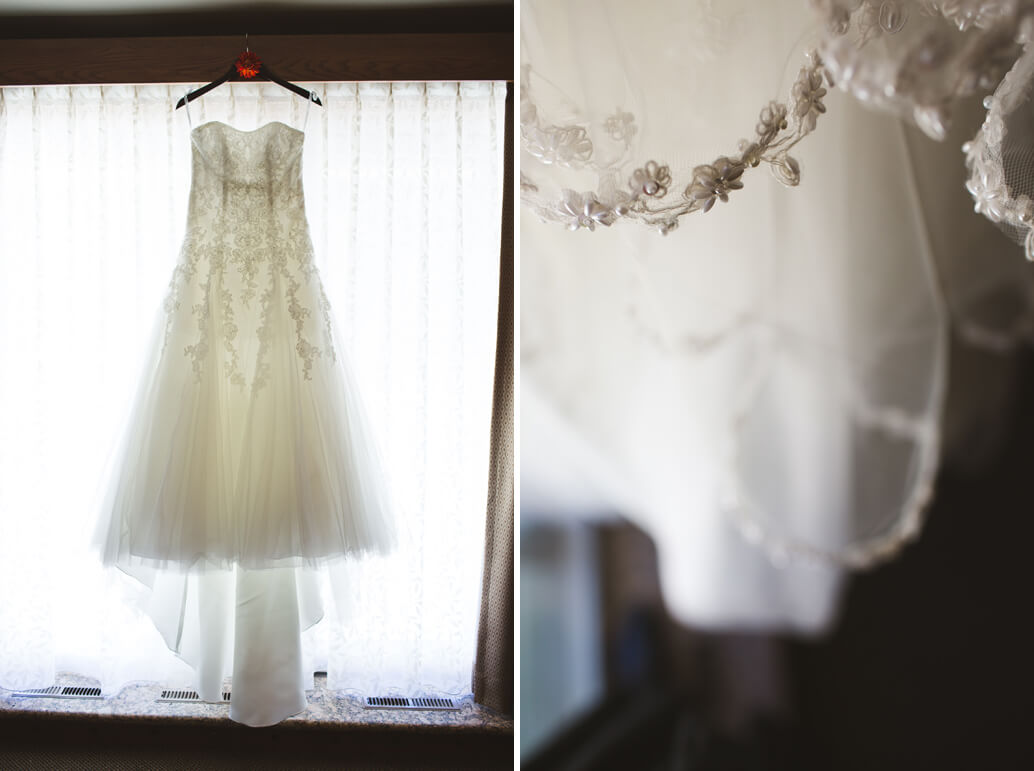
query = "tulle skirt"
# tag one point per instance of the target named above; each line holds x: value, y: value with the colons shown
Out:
x: 242, y: 471
x: 212, y: 473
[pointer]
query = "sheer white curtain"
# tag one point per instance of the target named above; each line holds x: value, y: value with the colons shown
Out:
x: 403, y: 190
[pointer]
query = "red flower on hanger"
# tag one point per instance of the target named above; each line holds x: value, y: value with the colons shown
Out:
x: 248, y: 64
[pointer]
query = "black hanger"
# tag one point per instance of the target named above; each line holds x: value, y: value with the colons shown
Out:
x: 243, y: 66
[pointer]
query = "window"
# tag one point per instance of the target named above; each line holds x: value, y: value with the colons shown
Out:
x: 403, y: 189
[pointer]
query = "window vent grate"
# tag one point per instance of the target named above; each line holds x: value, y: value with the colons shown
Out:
x: 62, y: 692
x: 186, y: 696
x: 404, y: 702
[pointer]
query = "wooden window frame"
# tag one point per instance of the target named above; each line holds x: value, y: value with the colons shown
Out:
x: 411, y: 56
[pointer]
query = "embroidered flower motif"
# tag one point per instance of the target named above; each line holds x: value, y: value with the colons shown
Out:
x: 569, y: 145
x: 652, y: 180
x: 667, y: 226
x: 585, y: 211
x: 715, y: 181
x: 562, y: 145
x: 1025, y: 209
x: 933, y: 120
x: 892, y: 17
x: 771, y: 121
x: 990, y: 199
x: 807, y: 93
x: 236, y: 251
x: 750, y: 152
x: 787, y: 170
x: 620, y: 126
x: 973, y: 13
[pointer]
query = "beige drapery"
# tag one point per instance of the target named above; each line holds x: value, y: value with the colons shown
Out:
x: 493, y: 664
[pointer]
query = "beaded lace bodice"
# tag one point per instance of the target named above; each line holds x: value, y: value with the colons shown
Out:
x: 245, y: 277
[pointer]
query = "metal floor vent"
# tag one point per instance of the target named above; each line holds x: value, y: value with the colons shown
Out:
x: 62, y: 692
x: 404, y: 702
x: 186, y: 696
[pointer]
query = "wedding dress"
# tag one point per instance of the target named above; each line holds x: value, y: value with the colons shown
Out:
x: 246, y: 462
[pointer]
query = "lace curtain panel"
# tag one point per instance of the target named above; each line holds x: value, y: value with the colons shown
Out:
x: 403, y: 189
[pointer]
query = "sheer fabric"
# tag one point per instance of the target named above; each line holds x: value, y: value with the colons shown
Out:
x: 402, y: 185
x: 247, y: 441
x: 962, y: 72
x: 762, y: 389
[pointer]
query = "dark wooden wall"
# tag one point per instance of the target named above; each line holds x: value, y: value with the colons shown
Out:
x: 300, y: 44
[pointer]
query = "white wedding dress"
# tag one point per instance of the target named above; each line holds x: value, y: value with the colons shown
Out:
x: 246, y: 463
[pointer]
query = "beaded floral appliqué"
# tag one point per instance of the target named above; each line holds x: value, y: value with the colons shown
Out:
x: 247, y: 238
x: 651, y: 195
x: 954, y: 49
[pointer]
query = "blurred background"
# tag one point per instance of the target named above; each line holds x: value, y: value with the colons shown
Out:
x: 928, y: 664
